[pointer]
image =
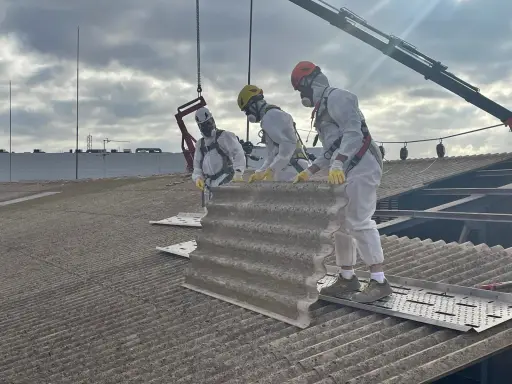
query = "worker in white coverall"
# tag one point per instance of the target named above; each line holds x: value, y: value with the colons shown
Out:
x: 219, y: 157
x: 352, y: 157
x: 285, y: 155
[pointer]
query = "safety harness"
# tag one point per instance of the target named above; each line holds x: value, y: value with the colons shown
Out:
x: 299, y: 153
x: 367, y: 138
x: 227, y: 164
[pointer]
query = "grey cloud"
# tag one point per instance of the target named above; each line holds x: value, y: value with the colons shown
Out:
x: 45, y: 75
x: 64, y: 109
x: 27, y: 122
x: 158, y: 39
x: 428, y: 93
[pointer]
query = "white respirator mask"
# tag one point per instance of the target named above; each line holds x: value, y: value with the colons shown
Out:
x: 252, y: 118
x: 253, y: 112
x: 306, y: 102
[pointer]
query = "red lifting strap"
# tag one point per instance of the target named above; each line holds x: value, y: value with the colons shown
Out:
x: 186, y: 138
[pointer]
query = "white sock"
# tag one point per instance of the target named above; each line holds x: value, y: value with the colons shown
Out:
x: 347, y: 273
x: 378, y: 276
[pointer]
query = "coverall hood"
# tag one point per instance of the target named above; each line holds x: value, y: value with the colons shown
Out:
x: 318, y: 85
x: 205, y: 122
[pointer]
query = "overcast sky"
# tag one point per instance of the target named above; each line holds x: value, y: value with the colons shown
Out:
x: 138, y: 64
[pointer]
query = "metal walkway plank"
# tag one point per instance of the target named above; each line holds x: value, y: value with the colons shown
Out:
x: 443, y: 305
x: 182, y: 219
x: 181, y: 249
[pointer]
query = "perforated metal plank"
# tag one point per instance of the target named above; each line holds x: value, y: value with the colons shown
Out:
x: 444, y: 305
x: 180, y: 249
x: 182, y: 219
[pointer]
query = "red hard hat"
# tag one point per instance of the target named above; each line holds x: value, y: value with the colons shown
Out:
x: 302, y: 69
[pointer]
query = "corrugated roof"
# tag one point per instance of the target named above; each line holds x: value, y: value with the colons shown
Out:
x: 345, y: 345
x: 135, y: 323
x: 400, y: 176
x: 104, y: 307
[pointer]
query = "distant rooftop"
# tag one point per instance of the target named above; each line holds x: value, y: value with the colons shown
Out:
x: 404, y: 175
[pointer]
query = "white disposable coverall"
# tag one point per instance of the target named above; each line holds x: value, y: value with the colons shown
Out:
x: 213, y: 162
x: 281, y: 142
x: 362, y: 181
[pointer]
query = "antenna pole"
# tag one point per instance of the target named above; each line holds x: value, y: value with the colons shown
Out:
x: 10, y: 131
x: 249, y: 69
x: 77, y: 63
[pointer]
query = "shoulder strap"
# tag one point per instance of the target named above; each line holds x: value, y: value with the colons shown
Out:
x: 323, y: 101
x: 202, y: 146
x: 219, y: 149
x: 218, y: 133
x: 268, y: 107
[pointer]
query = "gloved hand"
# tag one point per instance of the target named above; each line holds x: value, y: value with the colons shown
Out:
x: 259, y: 176
x: 200, y: 183
x: 302, y: 176
x: 336, y: 174
x: 256, y: 176
x: 269, y: 175
x: 238, y: 177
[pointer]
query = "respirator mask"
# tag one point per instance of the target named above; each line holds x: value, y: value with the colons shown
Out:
x: 306, y: 97
x: 207, y: 127
x: 306, y: 90
x: 253, y: 111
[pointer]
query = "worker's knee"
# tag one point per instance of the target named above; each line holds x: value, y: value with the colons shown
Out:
x: 345, y: 249
x: 369, y: 246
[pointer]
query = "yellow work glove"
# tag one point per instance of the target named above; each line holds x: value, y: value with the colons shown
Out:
x: 256, y: 176
x: 238, y: 177
x: 269, y: 175
x: 336, y: 174
x: 259, y: 176
x: 302, y: 176
x: 200, y: 184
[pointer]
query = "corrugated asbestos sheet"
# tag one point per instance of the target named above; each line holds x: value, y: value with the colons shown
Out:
x: 134, y: 323
x: 262, y: 246
x: 345, y: 345
x: 401, y: 176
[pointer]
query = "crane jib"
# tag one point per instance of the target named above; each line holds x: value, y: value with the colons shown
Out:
x: 408, y: 55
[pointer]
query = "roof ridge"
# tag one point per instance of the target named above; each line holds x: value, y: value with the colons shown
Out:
x: 476, y: 155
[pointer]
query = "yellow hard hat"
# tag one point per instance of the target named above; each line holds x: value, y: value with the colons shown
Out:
x: 246, y: 94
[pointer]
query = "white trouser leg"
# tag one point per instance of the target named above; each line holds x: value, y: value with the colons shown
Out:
x: 345, y: 249
x: 369, y: 246
x: 361, y: 191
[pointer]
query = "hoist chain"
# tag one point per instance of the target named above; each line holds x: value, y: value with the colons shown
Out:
x: 199, y: 89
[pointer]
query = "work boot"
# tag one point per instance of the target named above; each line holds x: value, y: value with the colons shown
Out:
x: 373, y: 291
x: 341, y: 286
